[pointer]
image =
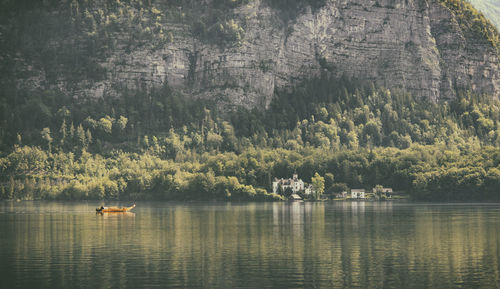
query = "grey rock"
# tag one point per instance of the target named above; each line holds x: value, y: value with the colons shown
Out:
x: 415, y: 45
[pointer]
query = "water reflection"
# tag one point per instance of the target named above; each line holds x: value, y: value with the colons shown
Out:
x: 279, y: 245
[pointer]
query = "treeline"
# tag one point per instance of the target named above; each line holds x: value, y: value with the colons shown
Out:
x: 31, y: 173
x: 340, y: 113
x: 163, y: 145
x: 327, y: 113
x: 433, y: 172
x: 490, y: 8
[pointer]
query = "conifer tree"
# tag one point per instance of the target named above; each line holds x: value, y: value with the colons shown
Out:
x: 80, y: 136
x: 88, y: 138
x: 63, y: 133
x: 46, y: 136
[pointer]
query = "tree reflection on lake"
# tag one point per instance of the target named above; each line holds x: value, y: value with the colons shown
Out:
x: 251, y: 245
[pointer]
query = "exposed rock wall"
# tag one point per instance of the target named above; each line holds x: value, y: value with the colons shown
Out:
x: 412, y: 44
x: 465, y: 62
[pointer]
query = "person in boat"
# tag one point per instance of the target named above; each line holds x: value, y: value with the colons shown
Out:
x: 114, y: 209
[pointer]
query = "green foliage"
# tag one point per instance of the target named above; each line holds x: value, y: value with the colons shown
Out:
x: 162, y: 145
x: 46, y: 137
x: 105, y: 125
x: 73, y: 38
x: 219, y: 30
x: 473, y: 21
x: 490, y: 9
x: 318, y: 183
x: 431, y: 172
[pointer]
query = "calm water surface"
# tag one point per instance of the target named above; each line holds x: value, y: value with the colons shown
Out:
x: 251, y: 245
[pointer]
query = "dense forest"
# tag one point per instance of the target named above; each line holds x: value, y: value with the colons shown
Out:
x: 162, y: 144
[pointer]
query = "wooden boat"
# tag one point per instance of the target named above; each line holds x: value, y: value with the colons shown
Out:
x: 114, y: 209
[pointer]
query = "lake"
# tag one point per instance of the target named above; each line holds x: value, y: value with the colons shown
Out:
x: 250, y: 245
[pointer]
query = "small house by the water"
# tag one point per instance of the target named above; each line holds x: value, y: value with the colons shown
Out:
x: 358, y: 194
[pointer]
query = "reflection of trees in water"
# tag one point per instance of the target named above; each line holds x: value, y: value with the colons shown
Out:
x: 301, y: 244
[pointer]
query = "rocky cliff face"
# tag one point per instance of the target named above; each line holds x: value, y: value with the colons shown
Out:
x: 415, y: 45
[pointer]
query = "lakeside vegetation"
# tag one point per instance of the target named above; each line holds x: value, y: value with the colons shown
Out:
x: 432, y: 172
x: 162, y: 145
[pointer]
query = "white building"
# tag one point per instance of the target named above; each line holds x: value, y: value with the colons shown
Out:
x: 358, y: 194
x: 296, y: 184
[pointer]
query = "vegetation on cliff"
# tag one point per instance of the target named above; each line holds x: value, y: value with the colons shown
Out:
x: 71, y: 38
x: 473, y: 22
x: 490, y: 9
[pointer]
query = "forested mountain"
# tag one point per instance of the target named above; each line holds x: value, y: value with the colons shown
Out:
x: 213, y: 99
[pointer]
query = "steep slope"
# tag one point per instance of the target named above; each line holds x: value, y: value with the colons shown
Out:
x: 490, y: 8
x: 239, y: 52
